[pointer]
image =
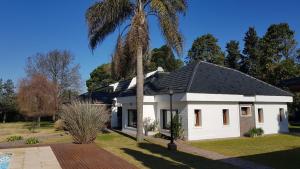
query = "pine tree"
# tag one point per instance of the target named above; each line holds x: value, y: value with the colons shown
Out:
x: 233, y: 54
x: 205, y: 48
x: 251, y: 59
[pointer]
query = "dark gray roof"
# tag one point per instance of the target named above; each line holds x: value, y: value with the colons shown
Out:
x: 98, y: 96
x: 203, y: 77
x: 106, y: 94
x: 123, y: 85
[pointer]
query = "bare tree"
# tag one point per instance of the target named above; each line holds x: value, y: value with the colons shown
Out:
x: 58, y: 66
x: 37, y: 97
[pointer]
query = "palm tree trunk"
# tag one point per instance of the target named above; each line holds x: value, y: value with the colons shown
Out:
x: 139, y: 94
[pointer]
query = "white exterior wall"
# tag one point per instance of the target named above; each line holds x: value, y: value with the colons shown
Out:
x: 114, y: 117
x: 149, y: 112
x: 182, y: 110
x: 212, y: 120
x: 271, y: 123
x: 211, y: 112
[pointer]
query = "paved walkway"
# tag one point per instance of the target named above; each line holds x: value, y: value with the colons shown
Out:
x: 32, y: 158
x: 87, y: 156
x: 64, y: 156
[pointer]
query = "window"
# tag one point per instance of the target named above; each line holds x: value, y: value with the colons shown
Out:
x: 225, y: 116
x: 132, y: 118
x: 245, y: 111
x: 166, y: 118
x: 260, y: 115
x: 198, y: 118
x: 281, y: 114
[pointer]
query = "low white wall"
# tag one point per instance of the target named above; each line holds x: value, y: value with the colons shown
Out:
x: 212, y: 121
x: 271, y: 123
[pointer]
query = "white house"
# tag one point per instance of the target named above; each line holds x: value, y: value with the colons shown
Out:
x: 213, y: 102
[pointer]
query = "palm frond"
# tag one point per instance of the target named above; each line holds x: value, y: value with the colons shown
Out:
x: 138, y: 34
x: 116, y: 66
x: 104, y: 17
x: 166, y: 11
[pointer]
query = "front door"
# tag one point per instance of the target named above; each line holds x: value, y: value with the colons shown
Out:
x: 247, y: 118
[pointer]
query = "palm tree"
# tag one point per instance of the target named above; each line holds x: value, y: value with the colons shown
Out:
x: 104, y: 17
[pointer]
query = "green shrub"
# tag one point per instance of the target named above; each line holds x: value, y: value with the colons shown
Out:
x: 32, y: 140
x: 177, y: 127
x: 84, y: 120
x: 254, y: 132
x: 14, y: 138
x: 59, y: 125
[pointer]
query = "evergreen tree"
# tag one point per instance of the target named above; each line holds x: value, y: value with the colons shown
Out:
x: 233, y: 54
x: 7, y: 98
x: 277, y: 46
x: 250, y: 59
x: 206, y: 48
x: 100, y: 77
x: 165, y: 58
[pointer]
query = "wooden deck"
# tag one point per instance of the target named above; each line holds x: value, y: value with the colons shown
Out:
x: 87, y: 156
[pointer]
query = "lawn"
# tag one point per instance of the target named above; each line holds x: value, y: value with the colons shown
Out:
x: 278, y: 151
x: 149, y: 155
x: 294, y: 128
x: 46, y: 131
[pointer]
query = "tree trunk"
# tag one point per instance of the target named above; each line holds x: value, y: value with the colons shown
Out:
x: 4, y: 117
x: 39, y: 122
x: 54, y: 117
x: 33, y: 125
x: 139, y: 94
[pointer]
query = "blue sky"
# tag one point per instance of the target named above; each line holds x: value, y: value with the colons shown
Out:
x: 31, y: 26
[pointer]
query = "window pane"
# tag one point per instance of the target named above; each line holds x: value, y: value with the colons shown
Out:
x: 132, y: 118
x: 166, y: 118
x: 225, y: 116
x: 260, y: 115
x: 245, y: 111
x: 198, y: 118
x: 281, y: 114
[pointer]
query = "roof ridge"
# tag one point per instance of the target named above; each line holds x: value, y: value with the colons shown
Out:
x: 192, y: 77
x: 248, y: 76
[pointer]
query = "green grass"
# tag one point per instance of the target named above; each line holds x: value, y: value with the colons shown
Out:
x: 149, y: 155
x: 294, y: 128
x: 278, y: 151
x: 24, y: 129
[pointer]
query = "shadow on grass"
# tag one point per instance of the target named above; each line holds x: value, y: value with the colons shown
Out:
x: 124, y: 134
x: 286, y: 159
x: 177, y: 159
